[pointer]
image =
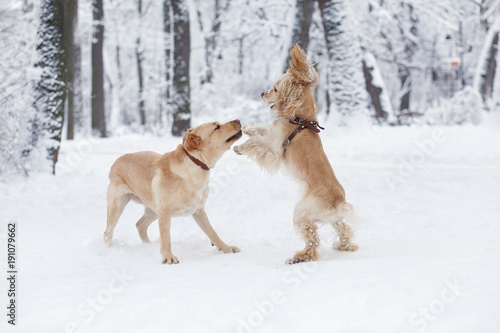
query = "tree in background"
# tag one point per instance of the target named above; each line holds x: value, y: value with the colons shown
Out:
x: 345, y: 76
x: 486, y: 78
x: 181, y: 98
x: 301, y: 34
x: 49, y: 90
x: 488, y: 67
x: 406, y: 18
x: 168, y: 47
x: 139, y: 59
x: 97, y: 98
x: 71, y: 46
x: 376, y: 89
x: 304, y: 10
x: 250, y: 47
x: 209, y: 22
x: 16, y: 89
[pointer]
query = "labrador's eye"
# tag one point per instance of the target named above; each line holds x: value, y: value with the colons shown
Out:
x: 275, y: 90
x: 218, y: 127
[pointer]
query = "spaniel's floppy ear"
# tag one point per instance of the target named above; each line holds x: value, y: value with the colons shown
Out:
x: 190, y: 140
x: 314, y: 77
x: 300, y: 70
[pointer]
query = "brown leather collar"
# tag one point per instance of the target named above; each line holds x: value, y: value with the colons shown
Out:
x: 310, y: 125
x: 196, y: 161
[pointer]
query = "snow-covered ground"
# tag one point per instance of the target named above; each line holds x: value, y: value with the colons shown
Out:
x: 428, y: 260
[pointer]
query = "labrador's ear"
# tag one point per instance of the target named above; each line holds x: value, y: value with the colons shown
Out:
x: 191, y: 141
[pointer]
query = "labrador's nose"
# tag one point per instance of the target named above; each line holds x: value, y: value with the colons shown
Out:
x: 237, y: 121
x: 262, y: 95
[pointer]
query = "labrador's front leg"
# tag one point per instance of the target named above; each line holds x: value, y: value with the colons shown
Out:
x: 166, y: 247
x: 201, y: 219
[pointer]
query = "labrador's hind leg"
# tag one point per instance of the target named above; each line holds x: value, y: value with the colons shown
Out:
x: 144, y: 222
x: 117, y: 199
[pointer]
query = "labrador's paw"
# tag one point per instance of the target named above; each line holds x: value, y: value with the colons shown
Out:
x: 229, y: 249
x: 169, y: 258
x: 108, y: 239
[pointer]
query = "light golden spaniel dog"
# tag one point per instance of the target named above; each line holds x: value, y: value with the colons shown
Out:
x: 293, y: 141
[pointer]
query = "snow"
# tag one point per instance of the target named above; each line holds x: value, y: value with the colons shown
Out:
x: 428, y: 258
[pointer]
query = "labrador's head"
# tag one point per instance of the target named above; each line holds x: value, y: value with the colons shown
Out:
x: 212, y: 140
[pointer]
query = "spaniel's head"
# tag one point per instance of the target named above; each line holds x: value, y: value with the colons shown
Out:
x: 291, y: 95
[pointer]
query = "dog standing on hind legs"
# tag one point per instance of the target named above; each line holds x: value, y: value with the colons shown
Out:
x: 293, y: 141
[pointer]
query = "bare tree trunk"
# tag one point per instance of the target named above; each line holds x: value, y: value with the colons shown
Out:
x: 487, y: 76
x: 404, y: 77
x: 98, y: 113
x: 377, y: 91
x: 374, y: 92
x: 484, y: 76
x: 409, y: 50
x: 49, y: 91
x: 301, y: 25
x: 211, y: 40
x: 483, y: 8
x: 345, y: 70
x: 241, y: 54
x: 181, y: 98
x: 119, y: 83
x: 70, y: 25
x: 78, y: 115
x: 138, y: 57
x: 168, y: 45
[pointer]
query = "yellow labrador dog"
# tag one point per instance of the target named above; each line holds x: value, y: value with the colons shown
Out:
x: 170, y: 185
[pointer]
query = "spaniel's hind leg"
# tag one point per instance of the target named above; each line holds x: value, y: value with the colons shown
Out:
x: 345, y: 232
x: 310, y: 251
x: 304, y: 224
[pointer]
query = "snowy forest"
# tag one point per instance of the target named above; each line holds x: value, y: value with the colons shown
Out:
x: 104, y: 68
